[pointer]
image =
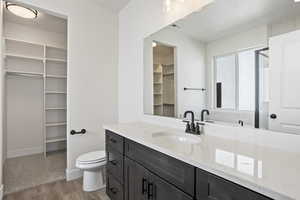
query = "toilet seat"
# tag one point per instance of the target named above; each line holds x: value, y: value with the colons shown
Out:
x: 92, y: 157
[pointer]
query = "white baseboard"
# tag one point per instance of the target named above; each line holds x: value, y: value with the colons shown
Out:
x: 72, y: 174
x: 24, y: 152
x: 1, y: 192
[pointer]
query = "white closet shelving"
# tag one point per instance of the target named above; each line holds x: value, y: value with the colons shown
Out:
x: 33, y: 60
x: 163, y: 81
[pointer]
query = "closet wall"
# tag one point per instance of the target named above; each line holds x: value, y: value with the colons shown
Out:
x: 31, y: 109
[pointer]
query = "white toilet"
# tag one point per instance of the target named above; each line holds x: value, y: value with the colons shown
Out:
x: 92, y: 164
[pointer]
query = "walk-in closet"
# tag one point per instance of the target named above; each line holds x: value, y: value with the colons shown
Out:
x: 35, y: 64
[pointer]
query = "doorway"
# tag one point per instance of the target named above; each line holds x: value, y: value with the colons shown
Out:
x: 35, y: 63
x: 164, y: 84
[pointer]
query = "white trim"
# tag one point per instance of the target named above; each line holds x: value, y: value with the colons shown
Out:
x: 24, y: 152
x: 72, y: 174
x: 1, y: 192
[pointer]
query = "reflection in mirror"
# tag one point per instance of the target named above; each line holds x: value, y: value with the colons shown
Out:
x: 238, y: 59
x: 163, y: 80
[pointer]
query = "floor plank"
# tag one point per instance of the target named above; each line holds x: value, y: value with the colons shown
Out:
x: 59, y: 190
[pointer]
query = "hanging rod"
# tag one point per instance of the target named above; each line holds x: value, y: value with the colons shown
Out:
x: 24, y: 74
x: 200, y: 89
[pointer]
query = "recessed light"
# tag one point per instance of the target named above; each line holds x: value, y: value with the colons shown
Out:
x: 21, y: 11
x: 297, y: 1
x: 154, y: 44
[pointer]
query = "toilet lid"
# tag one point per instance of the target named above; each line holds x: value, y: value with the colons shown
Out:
x: 92, y: 157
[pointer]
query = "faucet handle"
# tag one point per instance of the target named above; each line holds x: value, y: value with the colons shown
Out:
x: 198, y: 129
x: 200, y: 123
x: 188, y: 126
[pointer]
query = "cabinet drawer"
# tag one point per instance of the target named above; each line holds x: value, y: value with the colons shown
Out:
x: 113, y: 188
x: 114, y: 141
x: 209, y: 186
x: 115, y: 163
x: 163, y: 190
x: 172, y: 170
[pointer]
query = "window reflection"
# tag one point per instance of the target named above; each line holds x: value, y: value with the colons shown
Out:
x: 245, y: 165
x: 241, y: 163
x: 225, y: 158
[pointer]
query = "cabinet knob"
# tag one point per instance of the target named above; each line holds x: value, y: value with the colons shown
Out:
x: 113, y: 162
x: 114, y: 190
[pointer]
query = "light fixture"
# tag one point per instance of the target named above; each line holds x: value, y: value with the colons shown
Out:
x: 169, y: 4
x: 21, y: 11
x: 154, y: 44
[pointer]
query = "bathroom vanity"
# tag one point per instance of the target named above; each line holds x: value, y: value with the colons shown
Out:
x: 150, y: 162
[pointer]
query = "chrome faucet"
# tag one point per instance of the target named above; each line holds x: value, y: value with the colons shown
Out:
x: 191, y: 127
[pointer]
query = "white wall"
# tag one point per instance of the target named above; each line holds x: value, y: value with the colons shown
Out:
x: 284, y: 26
x: 2, y: 77
x: 24, y: 133
x: 138, y: 20
x: 190, y: 68
x: 92, y: 72
x: 30, y: 33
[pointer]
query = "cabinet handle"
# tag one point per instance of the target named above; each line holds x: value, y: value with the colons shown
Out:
x: 81, y: 132
x: 144, y: 185
x: 113, y: 140
x: 150, y: 190
x: 114, y: 190
x: 113, y: 162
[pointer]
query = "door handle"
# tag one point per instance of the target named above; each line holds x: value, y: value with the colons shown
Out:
x: 73, y: 132
x: 273, y: 116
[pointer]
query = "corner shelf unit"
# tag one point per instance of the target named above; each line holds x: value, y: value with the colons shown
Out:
x: 48, y: 62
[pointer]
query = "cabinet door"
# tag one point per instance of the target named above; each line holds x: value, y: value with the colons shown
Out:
x: 158, y: 189
x: 211, y: 187
x: 180, y: 174
x: 113, y: 188
x: 136, y: 181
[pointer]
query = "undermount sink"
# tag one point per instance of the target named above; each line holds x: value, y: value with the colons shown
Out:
x: 177, y: 138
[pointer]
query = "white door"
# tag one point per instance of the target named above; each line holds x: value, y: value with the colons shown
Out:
x: 285, y: 83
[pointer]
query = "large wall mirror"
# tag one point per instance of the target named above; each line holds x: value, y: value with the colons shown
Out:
x: 238, y: 59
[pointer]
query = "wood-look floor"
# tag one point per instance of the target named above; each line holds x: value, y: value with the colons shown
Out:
x: 59, y: 190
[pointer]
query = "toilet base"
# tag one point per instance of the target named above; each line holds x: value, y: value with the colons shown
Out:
x: 93, y: 180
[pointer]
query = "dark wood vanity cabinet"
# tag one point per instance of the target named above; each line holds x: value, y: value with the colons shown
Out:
x: 141, y: 184
x: 211, y: 187
x: 136, y: 172
x: 170, y: 169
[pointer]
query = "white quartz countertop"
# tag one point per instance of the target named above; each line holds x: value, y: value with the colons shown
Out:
x: 271, y: 171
